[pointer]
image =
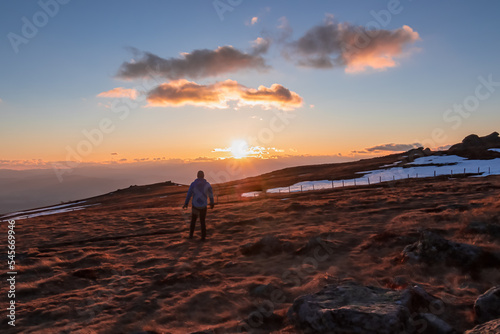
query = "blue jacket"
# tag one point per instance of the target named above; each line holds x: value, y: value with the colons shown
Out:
x: 199, y: 190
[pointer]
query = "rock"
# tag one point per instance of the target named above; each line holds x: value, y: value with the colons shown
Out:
x: 475, y: 147
x: 433, y: 248
x: 427, y: 151
x: 353, y: 308
x: 434, y: 325
x: 415, y: 153
x: 487, y: 306
x: 261, y: 321
x: 491, y: 327
x: 480, y: 227
x: 261, y: 290
x: 269, y: 245
x: 317, y: 245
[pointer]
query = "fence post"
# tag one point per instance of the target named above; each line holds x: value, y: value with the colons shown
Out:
x: 394, y: 177
x: 332, y: 185
x: 368, y: 180
x: 464, y: 171
x: 313, y: 186
x: 300, y: 188
x: 434, y: 173
x: 342, y: 183
x: 355, y: 182
x: 478, y: 170
x: 451, y: 172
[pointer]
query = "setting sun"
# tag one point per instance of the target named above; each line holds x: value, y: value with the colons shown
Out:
x: 239, y: 149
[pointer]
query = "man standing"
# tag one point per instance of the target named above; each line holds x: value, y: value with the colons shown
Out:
x: 199, y: 190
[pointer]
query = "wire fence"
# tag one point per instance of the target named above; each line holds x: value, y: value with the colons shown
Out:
x: 361, y: 181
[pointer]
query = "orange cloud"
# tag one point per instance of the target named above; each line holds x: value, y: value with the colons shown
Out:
x: 276, y: 96
x: 356, y: 48
x: 379, y: 53
x: 254, y: 20
x: 120, y: 92
x: 217, y: 95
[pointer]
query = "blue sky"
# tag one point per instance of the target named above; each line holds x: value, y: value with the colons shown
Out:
x: 49, y: 87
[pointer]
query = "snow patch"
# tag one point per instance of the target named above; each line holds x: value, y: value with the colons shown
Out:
x: 47, y: 211
x: 429, y: 166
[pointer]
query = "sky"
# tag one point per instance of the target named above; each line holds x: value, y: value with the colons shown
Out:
x: 126, y: 81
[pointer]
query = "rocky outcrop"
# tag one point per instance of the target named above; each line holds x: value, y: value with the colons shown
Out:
x: 475, y: 147
x: 487, y: 306
x: 417, y: 153
x: 491, y: 327
x: 353, y: 308
x: 434, y: 249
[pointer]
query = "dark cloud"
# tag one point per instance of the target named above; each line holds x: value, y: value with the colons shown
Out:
x: 197, y: 64
x: 356, y: 48
x: 393, y: 147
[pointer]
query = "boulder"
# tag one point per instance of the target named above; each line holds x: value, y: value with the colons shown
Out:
x: 491, y: 327
x: 487, y: 306
x: 433, y: 249
x: 481, y: 227
x: 352, y: 308
x: 435, y: 325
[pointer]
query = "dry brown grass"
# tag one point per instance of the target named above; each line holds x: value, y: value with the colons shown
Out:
x: 126, y: 265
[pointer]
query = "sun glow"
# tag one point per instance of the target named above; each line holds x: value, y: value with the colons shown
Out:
x: 239, y: 148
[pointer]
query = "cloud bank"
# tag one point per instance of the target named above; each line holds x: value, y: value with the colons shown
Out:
x: 393, y: 147
x: 197, y: 64
x: 217, y: 95
x: 355, y: 48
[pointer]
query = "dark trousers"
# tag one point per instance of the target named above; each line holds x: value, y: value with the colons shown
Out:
x: 202, y: 212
